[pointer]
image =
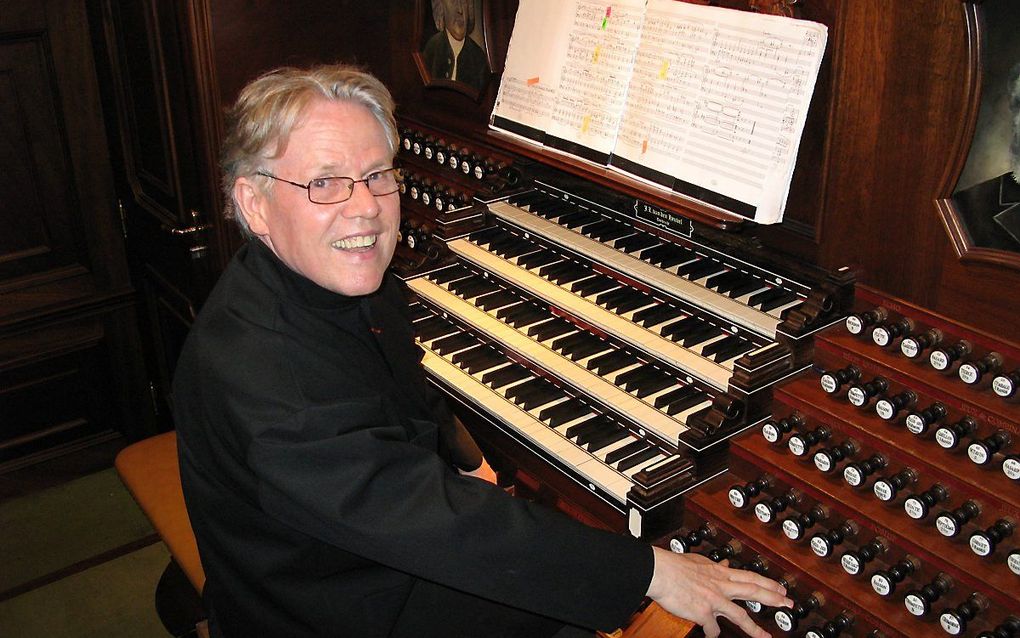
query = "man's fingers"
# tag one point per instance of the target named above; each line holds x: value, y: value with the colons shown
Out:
x: 751, y: 591
x: 742, y: 575
x: 739, y: 617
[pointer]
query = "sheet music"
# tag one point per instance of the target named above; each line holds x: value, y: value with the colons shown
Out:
x: 719, y: 97
x: 602, y: 42
x: 716, y: 98
x: 534, y: 63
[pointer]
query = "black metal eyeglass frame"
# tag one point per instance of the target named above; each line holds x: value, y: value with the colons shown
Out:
x: 367, y: 181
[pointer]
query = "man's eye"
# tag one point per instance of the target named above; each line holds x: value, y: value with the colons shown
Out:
x: 319, y: 183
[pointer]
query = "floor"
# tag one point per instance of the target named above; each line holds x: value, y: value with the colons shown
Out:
x: 79, y: 559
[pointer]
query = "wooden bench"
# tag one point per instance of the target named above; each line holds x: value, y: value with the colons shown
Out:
x: 150, y: 472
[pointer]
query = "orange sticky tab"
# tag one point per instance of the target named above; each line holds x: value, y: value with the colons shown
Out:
x: 532, y: 81
x: 644, y: 146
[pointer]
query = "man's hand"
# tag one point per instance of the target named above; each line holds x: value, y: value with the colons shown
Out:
x: 483, y: 471
x: 695, y: 588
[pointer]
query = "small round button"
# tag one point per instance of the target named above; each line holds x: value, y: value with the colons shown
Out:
x: 737, y: 498
x: 850, y: 564
x: 915, y: 605
x: 979, y: 544
x: 938, y: 360
x: 969, y: 373
x: 947, y: 526
x: 950, y: 624
x: 1014, y: 562
x: 978, y: 453
x: 880, y: 583
x: 854, y: 324
x: 856, y: 396
x: 769, y: 432
x: 1011, y: 468
x: 797, y: 446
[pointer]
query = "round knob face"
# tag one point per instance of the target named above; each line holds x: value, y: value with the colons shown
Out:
x: 884, y: 490
x: 797, y: 446
x: 1011, y: 468
x: 763, y: 512
x: 829, y: 384
x: 415, y: 192
x: 915, y: 423
x: 1003, y: 386
x: 951, y: 623
x: 910, y: 348
x: 479, y: 171
x: 426, y: 198
x: 946, y: 438
x: 881, y: 336
x: 915, y: 508
x: 881, y: 584
x: 793, y: 530
x: 978, y: 453
x: 850, y: 563
x: 821, y: 546
x: 915, y: 604
x: 677, y: 546
x: 854, y: 324
x: 770, y: 432
x: 430, y: 152
x: 947, y: 526
x: 969, y: 373
x: 411, y: 241
x: 885, y: 409
x: 856, y: 396
x: 737, y: 498
x: 1014, y: 562
x: 406, y: 143
x: 416, y: 148
x: 465, y: 167
x: 823, y: 462
x: 441, y: 157
x: 852, y: 475
x: 813, y: 633
x: 939, y: 360
x: 753, y: 605
x: 453, y: 161
x: 980, y: 544
x: 784, y: 620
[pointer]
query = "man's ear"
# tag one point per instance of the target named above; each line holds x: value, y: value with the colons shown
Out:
x: 252, y: 204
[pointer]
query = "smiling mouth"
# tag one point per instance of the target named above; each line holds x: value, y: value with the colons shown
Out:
x: 361, y: 242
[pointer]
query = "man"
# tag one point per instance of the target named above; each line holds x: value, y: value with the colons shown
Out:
x: 331, y: 492
x: 452, y: 54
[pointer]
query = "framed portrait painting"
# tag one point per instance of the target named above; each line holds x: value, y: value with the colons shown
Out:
x: 452, y: 51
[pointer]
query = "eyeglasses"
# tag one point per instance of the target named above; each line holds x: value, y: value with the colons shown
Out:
x: 333, y: 190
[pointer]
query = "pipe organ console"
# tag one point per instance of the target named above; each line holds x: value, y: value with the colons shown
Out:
x: 614, y: 343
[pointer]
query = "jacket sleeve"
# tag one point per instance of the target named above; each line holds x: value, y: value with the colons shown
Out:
x: 372, y: 489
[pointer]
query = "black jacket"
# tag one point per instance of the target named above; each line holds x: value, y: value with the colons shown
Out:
x: 317, y: 467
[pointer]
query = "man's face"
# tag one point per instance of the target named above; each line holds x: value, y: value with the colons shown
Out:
x: 343, y: 247
x: 455, y: 15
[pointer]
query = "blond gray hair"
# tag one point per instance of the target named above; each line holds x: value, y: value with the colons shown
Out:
x: 271, y: 106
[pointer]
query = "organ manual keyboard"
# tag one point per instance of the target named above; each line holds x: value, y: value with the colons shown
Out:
x: 589, y: 337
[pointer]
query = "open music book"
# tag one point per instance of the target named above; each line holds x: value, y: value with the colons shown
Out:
x: 707, y: 102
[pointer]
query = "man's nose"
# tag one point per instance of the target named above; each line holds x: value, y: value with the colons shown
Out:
x: 362, y: 202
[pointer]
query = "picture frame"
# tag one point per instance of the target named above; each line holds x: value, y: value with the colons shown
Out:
x: 452, y: 48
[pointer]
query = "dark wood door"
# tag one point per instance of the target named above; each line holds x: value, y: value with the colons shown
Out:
x: 164, y: 119
x: 68, y: 343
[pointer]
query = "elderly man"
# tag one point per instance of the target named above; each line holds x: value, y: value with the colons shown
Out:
x: 331, y: 492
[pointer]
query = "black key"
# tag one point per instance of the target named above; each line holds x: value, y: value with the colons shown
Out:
x: 596, y: 228
x: 651, y: 386
x: 627, y: 450
x: 468, y: 288
x: 636, y: 242
x: 656, y: 314
x: 640, y: 300
x: 588, y: 425
x: 680, y: 329
x: 780, y: 300
x: 451, y: 273
x: 453, y: 343
x: 668, y: 255
x: 538, y: 258
x: 611, y: 297
x: 607, y: 438
x: 594, y: 286
x: 565, y: 412
x: 735, y: 351
x: 701, y: 336
x: 574, y: 273
x: 497, y: 379
x: 676, y: 407
x: 496, y: 299
x: 698, y: 269
x: 613, y: 231
x: 529, y: 387
x: 721, y: 344
x: 637, y: 459
x: 524, y: 199
x: 724, y: 281
x: 580, y: 218
x: 550, y: 329
x: 560, y: 267
x: 606, y: 428
x: 518, y: 249
x: 521, y: 315
x: 564, y: 344
x: 611, y: 362
x: 552, y: 210
x: 679, y: 394
x: 467, y: 356
x: 579, y: 345
x: 486, y: 235
x: 482, y: 364
x: 630, y: 379
x: 429, y: 329
x: 749, y: 284
x: 541, y: 396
